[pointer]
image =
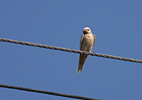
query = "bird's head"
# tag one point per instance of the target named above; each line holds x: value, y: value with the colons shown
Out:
x: 86, y: 30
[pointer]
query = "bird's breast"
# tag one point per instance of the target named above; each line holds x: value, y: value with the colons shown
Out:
x: 88, y: 42
x: 89, y: 39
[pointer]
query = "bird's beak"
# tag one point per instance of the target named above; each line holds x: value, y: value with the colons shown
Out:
x: 85, y: 31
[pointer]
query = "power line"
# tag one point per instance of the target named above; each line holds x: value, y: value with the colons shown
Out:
x: 46, y: 92
x: 70, y: 50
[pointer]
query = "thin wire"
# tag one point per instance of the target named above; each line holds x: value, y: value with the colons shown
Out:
x: 70, y: 50
x: 46, y: 92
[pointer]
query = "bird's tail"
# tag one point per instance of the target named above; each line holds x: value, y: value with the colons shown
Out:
x: 82, y: 59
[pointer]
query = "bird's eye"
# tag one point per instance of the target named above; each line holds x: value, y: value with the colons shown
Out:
x: 87, y: 29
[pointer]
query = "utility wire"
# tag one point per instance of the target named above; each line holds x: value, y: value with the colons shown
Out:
x: 46, y: 92
x: 70, y: 50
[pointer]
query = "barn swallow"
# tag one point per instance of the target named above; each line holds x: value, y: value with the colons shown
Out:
x: 86, y: 44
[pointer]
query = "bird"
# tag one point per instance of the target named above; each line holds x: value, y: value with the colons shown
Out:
x: 86, y: 44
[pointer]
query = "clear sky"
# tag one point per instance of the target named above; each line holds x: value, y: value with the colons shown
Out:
x: 117, y: 25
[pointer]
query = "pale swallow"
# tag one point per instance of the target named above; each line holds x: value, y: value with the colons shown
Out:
x: 86, y: 44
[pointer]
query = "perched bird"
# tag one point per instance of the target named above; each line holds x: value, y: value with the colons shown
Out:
x: 86, y: 44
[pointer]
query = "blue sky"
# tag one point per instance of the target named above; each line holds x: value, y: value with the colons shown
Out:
x: 117, y: 26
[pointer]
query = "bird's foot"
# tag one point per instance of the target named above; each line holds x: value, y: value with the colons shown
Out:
x: 85, y: 52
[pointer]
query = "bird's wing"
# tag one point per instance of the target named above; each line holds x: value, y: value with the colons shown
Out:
x: 81, y: 42
x: 94, y: 39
